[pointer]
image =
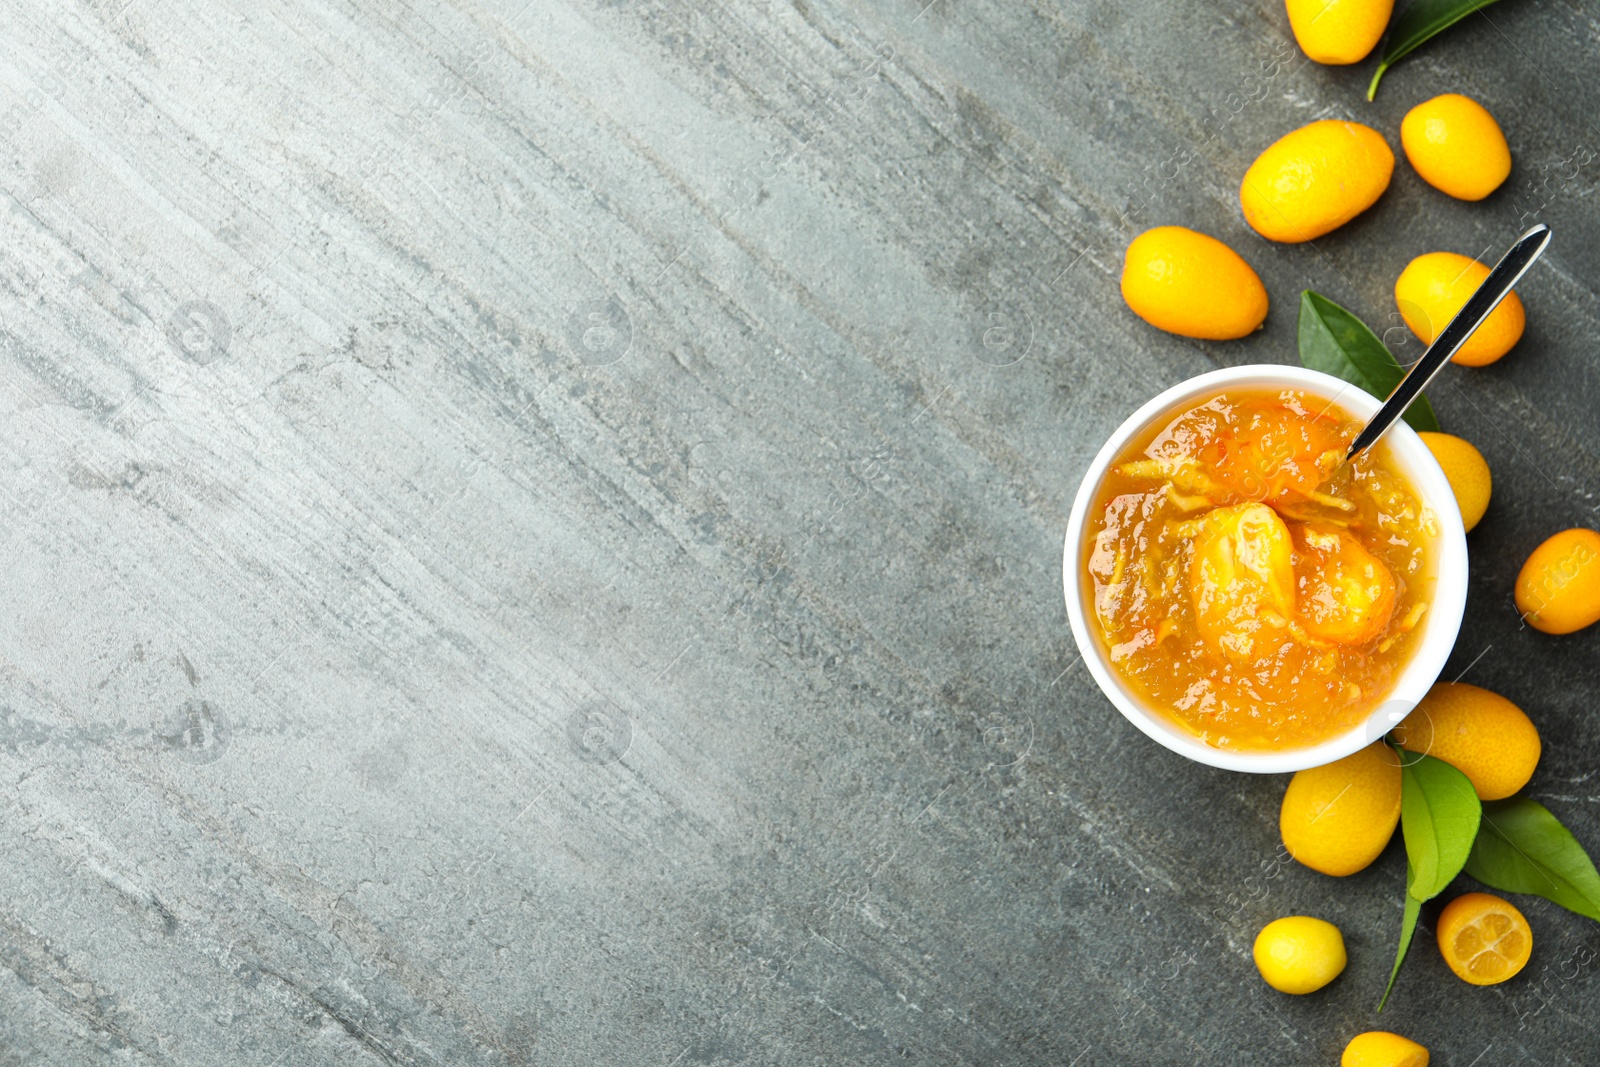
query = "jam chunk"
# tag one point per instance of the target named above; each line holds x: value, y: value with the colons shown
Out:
x: 1241, y: 577
x: 1275, y: 453
x: 1344, y: 594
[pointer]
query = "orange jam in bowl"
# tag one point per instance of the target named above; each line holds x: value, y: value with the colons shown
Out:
x: 1246, y: 582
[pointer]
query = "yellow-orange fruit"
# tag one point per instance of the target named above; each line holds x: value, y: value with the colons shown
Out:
x: 1337, y: 818
x: 1379, y: 1048
x: 1433, y: 287
x: 1558, y: 589
x: 1315, y: 179
x: 1481, y: 734
x: 1467, y: 472
x: 1299, y: 954
x: 1456, y: 146
x: 1187, y: 283
x: 1338, y: 32
x: 1483, y: 939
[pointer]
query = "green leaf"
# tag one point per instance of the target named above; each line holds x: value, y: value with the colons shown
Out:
x: 1522, y: 848
x: 1416, y: 25
x: 1408, y: 926
x: 1439, y: 814
x: 1336, y: 342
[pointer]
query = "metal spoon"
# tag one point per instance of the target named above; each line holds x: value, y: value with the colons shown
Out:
x: 1507, y: 273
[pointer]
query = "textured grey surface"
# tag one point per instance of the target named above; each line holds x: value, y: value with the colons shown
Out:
x: 532, y: 529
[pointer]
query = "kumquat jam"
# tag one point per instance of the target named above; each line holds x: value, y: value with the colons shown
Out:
x: 1251, y: 584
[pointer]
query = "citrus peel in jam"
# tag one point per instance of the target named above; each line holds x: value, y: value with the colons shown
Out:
x: 1247, y: 581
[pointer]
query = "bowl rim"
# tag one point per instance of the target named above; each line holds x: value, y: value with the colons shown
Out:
x: 1440, y: 625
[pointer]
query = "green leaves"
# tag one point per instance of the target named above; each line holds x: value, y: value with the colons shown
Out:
x: 1513, y: 845
x: 1334, y: 341
x: 1439, y: 815
x: 1416, y: 25
x: 1522, y: 848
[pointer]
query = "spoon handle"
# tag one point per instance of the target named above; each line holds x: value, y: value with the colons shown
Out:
x: 1512, y: 266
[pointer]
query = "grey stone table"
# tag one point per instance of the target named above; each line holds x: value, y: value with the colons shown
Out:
x: 531, y: 530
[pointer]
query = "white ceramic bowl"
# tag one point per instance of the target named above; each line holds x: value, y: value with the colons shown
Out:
x: 1439, y: 626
